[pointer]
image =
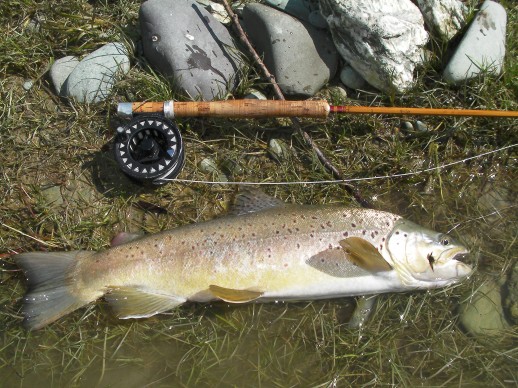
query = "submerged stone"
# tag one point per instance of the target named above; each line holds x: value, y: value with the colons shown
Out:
x: 95, y: 75
x: 482, y: 313
x: 382, y: 41
x: 511, y: 294
x: 186, y: 43
x: 482, y: 48
x: 301, y: 58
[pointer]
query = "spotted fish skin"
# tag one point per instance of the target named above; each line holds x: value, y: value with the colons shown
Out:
x: 259, y: 253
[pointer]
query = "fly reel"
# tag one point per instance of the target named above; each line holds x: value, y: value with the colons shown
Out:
x: 150, y: 149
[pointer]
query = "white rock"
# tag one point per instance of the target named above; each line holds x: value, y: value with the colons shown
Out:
x: 483, y: 46
x: 219, y: 12
x: 445, y: 17
x: 253, y: 94
x: 383, y: 41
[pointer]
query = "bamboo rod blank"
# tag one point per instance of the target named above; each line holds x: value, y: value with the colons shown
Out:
x: 421, y: 111
x: 279, y: 108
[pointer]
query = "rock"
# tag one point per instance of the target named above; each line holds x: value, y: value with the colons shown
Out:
x: 444, y: 17
x: 316, y: 19
x: 27, y: 85
x: 253, y: 94
x: 219, y: 12
x: 298, y: 8
x: 305, y: 10
x: 186, y: 43
x: 382, y: 41
x: 301, y: 58
x: 59, y: 72
x: 93, y: 78
x: 482, y: 313
x: 407, y: 126
x: 483, y: 46
x: 420, y: 126
x: 351, y: 78
x: 209, y: 166
x: 279, y: 150
x: 511, y: 295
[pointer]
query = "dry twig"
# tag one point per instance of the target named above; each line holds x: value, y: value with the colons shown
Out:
x: 295, y: 121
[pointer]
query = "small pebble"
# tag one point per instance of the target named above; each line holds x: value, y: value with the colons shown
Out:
x: 279, y: 150
x: 27, y: 85
x: 420, y: 126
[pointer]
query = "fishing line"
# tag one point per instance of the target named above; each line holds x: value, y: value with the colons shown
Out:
x: 335, y: 181
x: 483, y: 217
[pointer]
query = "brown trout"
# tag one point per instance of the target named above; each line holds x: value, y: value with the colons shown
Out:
x: 263, y: 250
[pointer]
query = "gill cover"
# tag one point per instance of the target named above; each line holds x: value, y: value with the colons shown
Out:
x: 425, y: 258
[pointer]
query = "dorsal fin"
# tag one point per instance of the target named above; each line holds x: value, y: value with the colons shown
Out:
x: 253, y: 200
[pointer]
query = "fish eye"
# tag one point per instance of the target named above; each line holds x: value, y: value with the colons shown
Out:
x: 445, y: 241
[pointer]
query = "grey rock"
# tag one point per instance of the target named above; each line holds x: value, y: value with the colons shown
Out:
x: 351, y: 78
x: 407, y: 126
x: 420, y: 126
x: 482, y: 313
x: 186, y: 43
x: 305, y: 10
x: 383, y: 41
x: 94, y: 77
x: 444, y: 17
x: 298, y: 8
x: 301, y: 58
x: 316, y: 19
x: 483, y: 46
x: 59, y: 72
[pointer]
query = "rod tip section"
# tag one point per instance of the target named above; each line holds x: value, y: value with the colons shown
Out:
x: 125, y: 110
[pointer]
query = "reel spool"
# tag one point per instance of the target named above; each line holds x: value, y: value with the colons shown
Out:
x: 150, y: 149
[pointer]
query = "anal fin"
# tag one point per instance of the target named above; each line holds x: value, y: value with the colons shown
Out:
x: 138, y: 302
x: 234, y: 296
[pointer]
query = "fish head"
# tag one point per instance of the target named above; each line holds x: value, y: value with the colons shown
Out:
x: 426, y: 258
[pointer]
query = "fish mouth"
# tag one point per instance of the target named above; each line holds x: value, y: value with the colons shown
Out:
x: 462, y: 257
x: 459, y: 254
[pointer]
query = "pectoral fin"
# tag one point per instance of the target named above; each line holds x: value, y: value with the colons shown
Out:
x: 135, y: 302
x: 234, y: 296
x: 334, y: 262
x: 365, y: 255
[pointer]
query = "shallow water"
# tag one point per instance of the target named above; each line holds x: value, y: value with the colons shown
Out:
x: 411, y: 339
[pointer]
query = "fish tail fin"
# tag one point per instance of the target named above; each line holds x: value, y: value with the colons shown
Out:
x: 49, y: 295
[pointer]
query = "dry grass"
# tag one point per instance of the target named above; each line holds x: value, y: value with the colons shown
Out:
x: 54, y: 147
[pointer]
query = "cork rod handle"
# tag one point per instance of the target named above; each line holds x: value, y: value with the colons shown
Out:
x: 235, y: 108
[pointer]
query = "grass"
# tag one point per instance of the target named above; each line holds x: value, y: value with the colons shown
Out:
x: 60, y: 190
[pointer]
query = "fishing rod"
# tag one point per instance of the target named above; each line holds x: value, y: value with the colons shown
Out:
x: 149, y: 148
x: 284, y: 108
